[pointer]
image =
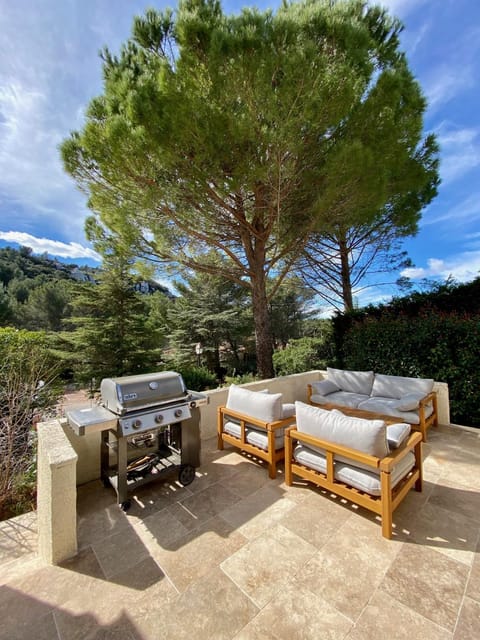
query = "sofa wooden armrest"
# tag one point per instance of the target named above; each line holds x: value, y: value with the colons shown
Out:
x: 390, y: 496
x: 269, y: 454
x: 425, y: 421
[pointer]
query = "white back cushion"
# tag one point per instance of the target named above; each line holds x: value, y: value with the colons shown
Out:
x: 263, y: 406
x: 368, y: 436
x: 399, y: 386
x: 354, y: 381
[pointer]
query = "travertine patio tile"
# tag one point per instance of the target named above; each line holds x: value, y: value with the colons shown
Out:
x: 42, y: 628
x: 53, y: 585
x: 429, y: 582
x: 350, y: 567
x: 152, y: 498
x: 202, y: 506
x: 299, y: 491
x: 211, y: 473
x: 198, y: 552
x: 19, y: 567
x: 264, y: 565
x: 295, y: 613
x: 212, y: 608
x: 18, y: 537
x: 120, y: 551
x: 87, y: 627
x: 259, y: 511
x: 23, y: 616
x: 473, y: 586
x: 443, y: 530
x: 316, y: 519
x: 468, y: 626
x: 98, y: 514
x: 395, y: 620
x: 248, y: 479
x: 160, y: 530
x: 458, y: 497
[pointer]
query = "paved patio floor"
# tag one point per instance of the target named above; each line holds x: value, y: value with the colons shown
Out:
x: 238, y: 556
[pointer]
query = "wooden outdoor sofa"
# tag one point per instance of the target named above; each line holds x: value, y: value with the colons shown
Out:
x: 376, y: 396
x: 254, y: 422
x: 368, y: 462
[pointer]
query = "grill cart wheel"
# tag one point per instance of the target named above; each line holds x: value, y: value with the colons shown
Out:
x: 125, y: 506
x: 186, y: 474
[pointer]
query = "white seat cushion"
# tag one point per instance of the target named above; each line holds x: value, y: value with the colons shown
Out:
x: 388, y: 406
x: 256, y: 437
x: 344, y: 398
x: 360, y: 478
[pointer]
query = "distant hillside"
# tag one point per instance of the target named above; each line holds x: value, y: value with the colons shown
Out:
x: 21, y: 264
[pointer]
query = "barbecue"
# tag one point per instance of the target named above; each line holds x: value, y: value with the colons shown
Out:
x: 150, y: 427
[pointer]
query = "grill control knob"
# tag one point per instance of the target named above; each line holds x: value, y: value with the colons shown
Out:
x: 136, y: 424
x: 178, y: 413
x: 159, y: 418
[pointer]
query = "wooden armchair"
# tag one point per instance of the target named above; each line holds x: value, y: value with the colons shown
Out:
x: 376, y: 483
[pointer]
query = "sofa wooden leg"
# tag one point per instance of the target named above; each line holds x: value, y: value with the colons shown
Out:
x: 386, y: 488
x: 419, y: 466
x: 288, y: 460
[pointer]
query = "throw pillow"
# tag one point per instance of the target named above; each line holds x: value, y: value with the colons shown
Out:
x: 324, y: 387
x: 397, y: 434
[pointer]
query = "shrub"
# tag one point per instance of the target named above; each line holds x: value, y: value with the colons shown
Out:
x: 27, y: 392
x: 441, y: 346
x: 302, y: 355
x: 197, y: 378
x: 244, y: 378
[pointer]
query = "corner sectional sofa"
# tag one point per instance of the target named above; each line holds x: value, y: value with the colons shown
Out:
x: 377, y: 396
x: 366, y: 461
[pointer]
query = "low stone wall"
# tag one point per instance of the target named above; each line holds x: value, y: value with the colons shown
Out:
x: 56, y: 494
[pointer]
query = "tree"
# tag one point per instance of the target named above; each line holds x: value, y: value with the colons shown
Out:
x: 335, y: 265
x: 288, y: 310
x: 246, y: 133
x: 47, y: 306
x: 211, y: 311
x: 337, y: 261
x: 112, y: 335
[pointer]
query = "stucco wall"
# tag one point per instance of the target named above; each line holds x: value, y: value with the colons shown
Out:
x: 57, y: 494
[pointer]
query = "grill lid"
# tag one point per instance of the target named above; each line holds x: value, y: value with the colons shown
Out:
x: 131, y: 393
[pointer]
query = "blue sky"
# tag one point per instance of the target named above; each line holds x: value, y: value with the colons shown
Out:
x: 50, y: 69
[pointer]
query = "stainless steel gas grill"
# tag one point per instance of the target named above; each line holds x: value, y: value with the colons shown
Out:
x: 150, y: 427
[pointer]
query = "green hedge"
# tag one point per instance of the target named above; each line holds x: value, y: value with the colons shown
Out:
x: 436, y: 345
x: 302, y: 355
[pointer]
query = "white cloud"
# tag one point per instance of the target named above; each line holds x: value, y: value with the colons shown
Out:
x: 467, y: 211
x: 52, y: 247
x: 401, y: 7
x: 446, y: 81
x: 463, y: 268
x: 459, y: 149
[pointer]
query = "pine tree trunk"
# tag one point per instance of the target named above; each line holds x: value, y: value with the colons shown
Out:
x: 346, y: 282
x: 263, y: 334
